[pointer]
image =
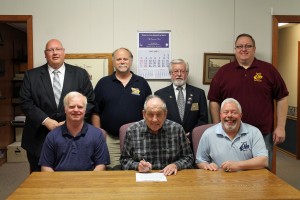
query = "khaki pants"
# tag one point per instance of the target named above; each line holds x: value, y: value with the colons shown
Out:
x: 113, y: 144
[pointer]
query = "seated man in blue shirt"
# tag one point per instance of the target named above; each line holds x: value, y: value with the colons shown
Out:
x: 75, y: 145
x: 156, y: 142
x: 231, y: 144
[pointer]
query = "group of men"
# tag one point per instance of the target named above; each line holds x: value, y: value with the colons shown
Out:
x: 160, y: 138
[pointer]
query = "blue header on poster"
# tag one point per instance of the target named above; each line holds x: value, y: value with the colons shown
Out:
x: 154, y: 40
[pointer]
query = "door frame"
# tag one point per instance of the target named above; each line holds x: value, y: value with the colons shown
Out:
x: 23, y: 19
x: 275, y: 32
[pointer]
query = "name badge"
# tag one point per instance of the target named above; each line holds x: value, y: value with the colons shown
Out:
x: 195, y: 106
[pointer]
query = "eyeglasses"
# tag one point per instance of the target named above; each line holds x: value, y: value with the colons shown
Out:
x: 54, y: 49
x: 179, y: 72
x: 247, y: 46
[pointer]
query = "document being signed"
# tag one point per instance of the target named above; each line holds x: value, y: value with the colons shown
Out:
x: 150, y: 177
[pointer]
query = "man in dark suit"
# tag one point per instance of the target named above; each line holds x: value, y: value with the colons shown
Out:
x: 42, y: 95
x: 194, y: 105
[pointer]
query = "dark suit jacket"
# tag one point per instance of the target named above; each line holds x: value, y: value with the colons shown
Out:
x: 38, y: 103
x: 195, y: 113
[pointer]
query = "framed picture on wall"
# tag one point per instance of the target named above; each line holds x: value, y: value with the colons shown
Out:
x: 213, y: 62
x: 96, y: 64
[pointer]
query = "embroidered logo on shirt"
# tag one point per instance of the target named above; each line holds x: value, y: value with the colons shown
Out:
x: 257, y: 77
x: 135, y: 91
x: 244, y: 146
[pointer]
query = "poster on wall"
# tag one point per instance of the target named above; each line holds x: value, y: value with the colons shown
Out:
x: 154, y: 54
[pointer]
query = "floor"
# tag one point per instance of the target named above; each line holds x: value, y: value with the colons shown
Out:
x: 13, y: 174
x: 288, y: 168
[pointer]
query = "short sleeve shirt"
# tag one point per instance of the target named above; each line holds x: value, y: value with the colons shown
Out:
x: 215, y: 146
x: 254, y: 88
x: 118, y: 105
x: 63, y: 152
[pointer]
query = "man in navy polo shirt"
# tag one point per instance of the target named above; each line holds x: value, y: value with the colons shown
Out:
x: 75, y: 145
x: 119, y: 99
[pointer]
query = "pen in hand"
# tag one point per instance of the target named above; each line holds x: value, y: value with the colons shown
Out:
x: 146, y: 165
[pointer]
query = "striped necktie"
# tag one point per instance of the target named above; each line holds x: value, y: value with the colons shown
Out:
x: 56, y: 86
x: 180, y: 102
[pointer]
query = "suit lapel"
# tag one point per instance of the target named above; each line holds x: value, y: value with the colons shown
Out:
x: 45, y: 79
x: 67, y: 84
x: 188, y: 102
x: 173, y: 107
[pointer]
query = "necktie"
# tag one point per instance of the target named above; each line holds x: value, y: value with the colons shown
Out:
x: 56, y: 86
x: 180, y: 102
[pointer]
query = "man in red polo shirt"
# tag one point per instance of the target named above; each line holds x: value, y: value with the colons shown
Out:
x: 255, y: 84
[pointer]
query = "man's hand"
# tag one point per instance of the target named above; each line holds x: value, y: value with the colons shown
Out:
x: 52, y: 124
x: 211, y: 167
x: 278, y: 135
x: 169, y: 170
x: 144, y: 166
x: 230, y: 166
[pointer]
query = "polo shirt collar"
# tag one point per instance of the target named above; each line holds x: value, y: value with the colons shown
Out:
x: 114, y: 78
x: 83, y: 131
x: 242, y: 131
x: 253, y: 64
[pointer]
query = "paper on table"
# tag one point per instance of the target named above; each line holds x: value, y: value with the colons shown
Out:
x: 150, y: 177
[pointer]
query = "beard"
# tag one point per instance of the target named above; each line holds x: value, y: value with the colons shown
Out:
x: 230, y: 127
x: 178, y: 82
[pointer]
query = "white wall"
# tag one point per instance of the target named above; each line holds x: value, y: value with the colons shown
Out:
x: 198, y: 26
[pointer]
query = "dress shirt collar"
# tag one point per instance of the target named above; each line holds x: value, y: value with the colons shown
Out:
x: 183, y: 87
x: 146, y: 129
x: 61, y: 69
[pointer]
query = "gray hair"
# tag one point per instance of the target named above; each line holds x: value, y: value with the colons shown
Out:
x: 151, y: 96
x: 72, y: 95
x: 232, y: 100
x: 113, y: 54
x: 178, y: 61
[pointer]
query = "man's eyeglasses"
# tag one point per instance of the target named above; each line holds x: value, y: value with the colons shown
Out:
x: 178, y: 72
x: 247, y: 46
x: 54, y: 50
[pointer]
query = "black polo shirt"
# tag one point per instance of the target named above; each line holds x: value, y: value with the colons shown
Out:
x: 118, y: 105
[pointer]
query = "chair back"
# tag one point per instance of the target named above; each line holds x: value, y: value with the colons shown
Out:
x: 196, y: 136
x: 122, y: 134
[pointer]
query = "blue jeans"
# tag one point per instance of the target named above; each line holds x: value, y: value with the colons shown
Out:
x: 269, y: 145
